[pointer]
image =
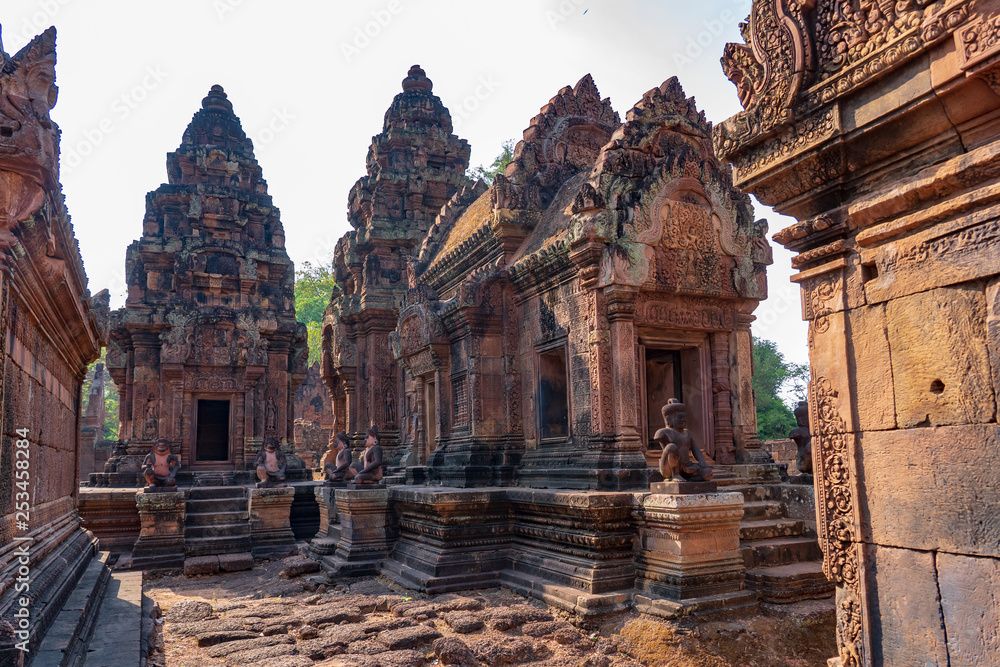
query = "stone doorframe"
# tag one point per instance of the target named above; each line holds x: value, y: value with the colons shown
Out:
x: 691, y: 342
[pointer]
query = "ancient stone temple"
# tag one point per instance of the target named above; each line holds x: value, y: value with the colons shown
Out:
x: 314, y: 421
x: 94, y: 449
x: 546, y: 319
x: 206, y: 351
x: 50, y: 329
x: 415, y: 166
x: 875, y: 126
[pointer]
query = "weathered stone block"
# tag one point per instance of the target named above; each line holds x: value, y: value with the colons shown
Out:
x: 871, y: 369
x: 971, y: 608
x: 905, y: 604
x: 270, y: 522
x: 959, y: 251
x: 235, y: 562
x: 957, y: 466
x: 295, y: 566
x: 940, y: 361
x: 201, y: 565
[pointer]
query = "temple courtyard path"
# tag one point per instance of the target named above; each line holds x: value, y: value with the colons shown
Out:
x: 255, y: 618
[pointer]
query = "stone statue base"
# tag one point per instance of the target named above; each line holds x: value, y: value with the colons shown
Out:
x: 365, y: 485
x: 337, y: 484
x: 674, y: 487
x: 270, y: 522
x: 271, y: 485
x: 152, y: 488
x: 689, y: 555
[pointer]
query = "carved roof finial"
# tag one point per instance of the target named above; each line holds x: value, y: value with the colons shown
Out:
x: 416, y: 79
x: 217, y: 99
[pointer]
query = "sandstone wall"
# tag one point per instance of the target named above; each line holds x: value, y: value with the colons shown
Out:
x: 50, y: 329
x: 883, y: 142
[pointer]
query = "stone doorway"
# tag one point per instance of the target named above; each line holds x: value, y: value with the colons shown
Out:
x: 667, y: 373
x: 212, y: 435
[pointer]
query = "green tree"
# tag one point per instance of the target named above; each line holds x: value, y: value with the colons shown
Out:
x: 110, y: 397
x: 498, y: 167
x: 313, y: 286
x: 771, y: 376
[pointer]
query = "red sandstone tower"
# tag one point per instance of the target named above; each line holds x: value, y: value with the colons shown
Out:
x: 414, y: 167
x: 206, y: 351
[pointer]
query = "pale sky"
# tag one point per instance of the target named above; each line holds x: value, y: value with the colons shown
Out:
x: 311, y: 82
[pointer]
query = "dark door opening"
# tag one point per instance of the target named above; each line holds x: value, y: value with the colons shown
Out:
x: 663, y: 382
x: 553, y: 394
x: 213, y: 431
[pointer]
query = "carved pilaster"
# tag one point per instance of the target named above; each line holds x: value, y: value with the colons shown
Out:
x: 722, y: 409
x: 621, y: 314
x: 835, y: 462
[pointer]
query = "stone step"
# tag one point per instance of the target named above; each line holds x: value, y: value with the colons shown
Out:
x: 790, y: 583
x: 216, y: 492
x: 753, y: 492
x: 766, y: 529
x: 754, y: 510
x: 65, y: 643
x: 780, y: 551
x: 217, y: 530
x: 214, y: 518
x: 567, y: 598
x: 117, y: 640
x: 213, y: 546
x: 216, y: 506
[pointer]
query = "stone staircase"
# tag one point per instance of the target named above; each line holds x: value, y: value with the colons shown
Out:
x: 216, y: 521
x: 102, y: 622
x: 783, y: 559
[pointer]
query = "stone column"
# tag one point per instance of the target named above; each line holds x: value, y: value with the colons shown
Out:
x: 688, y: 556
x: 161, y: 533
x: 270, y: 522
x: 325, y: 541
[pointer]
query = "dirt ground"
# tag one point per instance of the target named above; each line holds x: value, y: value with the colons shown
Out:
x: 256, y: 618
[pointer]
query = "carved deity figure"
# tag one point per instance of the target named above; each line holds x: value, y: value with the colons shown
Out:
x: 151, y: 421
x: 390, y: 407
x: 160, y: 467
x: 803, y: 439
x: 270, y: 415
x: 270, y: 465
x: 682, y: 460
x: 370, y: 468
x: 341, y: 469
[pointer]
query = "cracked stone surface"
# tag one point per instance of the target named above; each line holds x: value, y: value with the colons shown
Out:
x: 254, y: 619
